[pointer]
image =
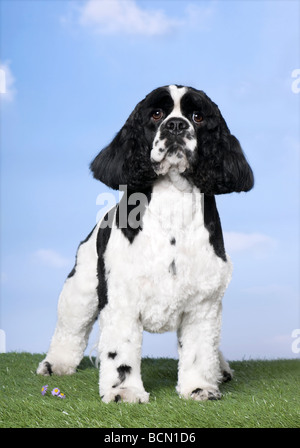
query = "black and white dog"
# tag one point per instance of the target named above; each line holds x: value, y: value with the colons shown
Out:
x: 156, y: 261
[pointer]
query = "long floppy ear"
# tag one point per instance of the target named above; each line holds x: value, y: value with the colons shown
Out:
x: 126, y: 160
x: 238, y: 175
x: 219, y: 165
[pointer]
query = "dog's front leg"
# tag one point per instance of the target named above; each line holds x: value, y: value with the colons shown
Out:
x: 120, y: 357
x: 199, y: 370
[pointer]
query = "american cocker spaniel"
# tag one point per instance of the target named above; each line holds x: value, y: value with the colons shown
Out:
x: 156, y: 261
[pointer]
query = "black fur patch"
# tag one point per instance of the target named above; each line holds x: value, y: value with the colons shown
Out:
x: 126, y: 161
x: 102, y: 240
x: 211, y: 396
x: 196, y: 391
x: 82, y: 242
x: 129, y: 215
x: 172, y: 268
x: 173, y: 241
x: 48, y: 367
x: 226, y: 376
x: 213, y: 225
x: 218, y: 165
x: 73, y: 271
x: 123, y: 370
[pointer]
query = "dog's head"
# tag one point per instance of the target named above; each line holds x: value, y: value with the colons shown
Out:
x: 175, y: 128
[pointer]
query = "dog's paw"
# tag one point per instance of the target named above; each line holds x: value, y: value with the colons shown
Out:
x: 47, y: 368
x: 205, y: 394
x: 126, y: 394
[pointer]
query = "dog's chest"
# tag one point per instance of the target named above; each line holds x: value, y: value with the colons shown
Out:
x: 169, y: 263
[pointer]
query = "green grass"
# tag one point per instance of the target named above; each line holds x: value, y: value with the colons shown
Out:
x: 262, y: 394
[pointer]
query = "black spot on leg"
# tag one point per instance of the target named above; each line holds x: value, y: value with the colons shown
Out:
x: 212, y: 396
x: 112, y: 355
x: 226, y: 376
x: 172, y: 268
x: 173, y: 241
x: 209, y: 396
x: 123, y: 370
x: 48, y: 367
x: 196, y: 391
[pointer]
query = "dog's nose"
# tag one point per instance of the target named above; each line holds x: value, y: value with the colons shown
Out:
x: 176, y: 126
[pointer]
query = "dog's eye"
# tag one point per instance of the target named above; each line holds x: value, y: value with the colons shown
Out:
x: 197, y: 117
x: 157, y: 115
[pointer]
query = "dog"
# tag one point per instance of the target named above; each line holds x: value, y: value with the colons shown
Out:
x: 156, y: 261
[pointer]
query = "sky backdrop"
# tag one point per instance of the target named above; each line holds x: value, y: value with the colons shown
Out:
x: 74, y: 71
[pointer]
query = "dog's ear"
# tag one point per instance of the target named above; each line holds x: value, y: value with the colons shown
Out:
x: 219, y: 165
x: 126, y: 160
x: 238, y: 175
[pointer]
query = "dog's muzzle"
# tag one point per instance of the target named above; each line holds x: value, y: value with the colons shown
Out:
x: 176, y: 126
x: 174, y: 140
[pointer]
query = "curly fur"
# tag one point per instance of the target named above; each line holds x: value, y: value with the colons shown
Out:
x: 157, y: 260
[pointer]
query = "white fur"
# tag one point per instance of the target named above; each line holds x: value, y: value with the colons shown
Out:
x: 145, y: 293
x: 176, y: 94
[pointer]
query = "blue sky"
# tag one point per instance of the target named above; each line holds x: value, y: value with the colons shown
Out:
x: 74, y: 71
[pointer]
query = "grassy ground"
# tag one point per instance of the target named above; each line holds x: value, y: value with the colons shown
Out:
x: 262, y: 394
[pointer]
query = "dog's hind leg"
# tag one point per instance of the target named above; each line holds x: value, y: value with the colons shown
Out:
x: 77, y: 312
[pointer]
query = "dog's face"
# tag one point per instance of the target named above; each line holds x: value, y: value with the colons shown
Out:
x: 175, y: 128
x: 174, y: 125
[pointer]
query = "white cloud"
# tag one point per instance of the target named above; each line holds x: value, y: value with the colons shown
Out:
x: 51, y: 258
x: 129, y: 17
x: 125, y: 16
x: 238, y: 242
x: 7, y: 83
